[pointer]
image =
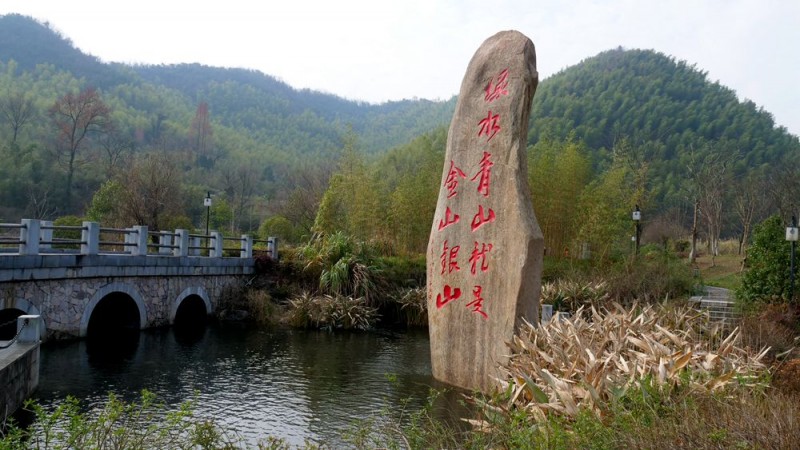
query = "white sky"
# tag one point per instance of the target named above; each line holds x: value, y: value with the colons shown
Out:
x: 379, y: 50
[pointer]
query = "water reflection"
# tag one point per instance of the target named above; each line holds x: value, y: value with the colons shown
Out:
x: 294, y: 384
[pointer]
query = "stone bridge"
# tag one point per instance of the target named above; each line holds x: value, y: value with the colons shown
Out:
x: 148, y: 281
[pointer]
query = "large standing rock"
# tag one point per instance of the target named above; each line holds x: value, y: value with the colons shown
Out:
x: 485, y: 249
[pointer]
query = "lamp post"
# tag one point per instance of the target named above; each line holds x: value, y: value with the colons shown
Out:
x: 791, y: 236
x: 637, y: 217
x: 207, y: 204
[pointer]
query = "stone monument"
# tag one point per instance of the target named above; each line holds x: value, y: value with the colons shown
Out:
x: 484, y: 257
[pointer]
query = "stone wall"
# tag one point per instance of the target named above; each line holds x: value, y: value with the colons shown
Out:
x: 66, y: 305
x: 19, y: 376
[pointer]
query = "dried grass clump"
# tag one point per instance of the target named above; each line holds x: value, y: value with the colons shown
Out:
x: 330, y: 312
x: 593, y: 358
x: 261, y: 306
x: 569, y: 295
x: 413, y: 306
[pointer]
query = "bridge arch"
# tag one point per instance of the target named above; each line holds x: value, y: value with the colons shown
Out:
x: 12, y: 309
x: 193, y: 295
x: 112, y: 289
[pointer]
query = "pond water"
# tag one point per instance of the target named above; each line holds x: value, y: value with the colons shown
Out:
x: 294, y: 384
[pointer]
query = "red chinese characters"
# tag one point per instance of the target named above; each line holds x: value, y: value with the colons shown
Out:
x: 495, y: 90
x: 449, y: 219
x: 490, y: 125
x: 479, y: 259
x: 479, y: 220
x: 451, y: 182
x: 450, y: 258
x: 477, y: 303
x: 450, y: 294
x: 485, y: 174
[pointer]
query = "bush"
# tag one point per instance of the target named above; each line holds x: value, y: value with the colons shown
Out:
x: 116, y: 424
x: 653, y: 276
x: 330, y: 312
x: 261, y: 307
x: 280, y: 227
x: 343, y: 266
x: 768, y: 265
x: 569, y: 295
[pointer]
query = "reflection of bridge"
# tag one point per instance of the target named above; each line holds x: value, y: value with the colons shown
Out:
x: 87, y: 279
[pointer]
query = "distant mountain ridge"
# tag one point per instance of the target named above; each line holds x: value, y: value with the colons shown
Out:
x: 667, y: 107
x: 236, y: 97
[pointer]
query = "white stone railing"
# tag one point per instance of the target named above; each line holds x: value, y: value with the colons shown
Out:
x: 36, y: 237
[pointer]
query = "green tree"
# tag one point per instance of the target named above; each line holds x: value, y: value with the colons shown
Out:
x: 768, y: 272
x: 280, y: 227
x: 354, y: 201
x: 105, y: 206
x: 558, y: 172
x: 606, y: 212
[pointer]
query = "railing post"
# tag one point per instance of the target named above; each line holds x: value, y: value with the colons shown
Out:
x: 195, y: 242
x: 164, y: 240
x: 29, y: 237
x: 46, y: 235
x: 182, y: 241
x: 140, y: 239
x: 272, y: 248
x: 130, y: 240
x: 216, y: 245
x: 247, y: 247
x: 90, y: 238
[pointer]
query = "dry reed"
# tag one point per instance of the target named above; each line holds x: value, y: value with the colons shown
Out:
x: 593, y: 358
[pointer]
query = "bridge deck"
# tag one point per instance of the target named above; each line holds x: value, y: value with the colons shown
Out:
x: 49, y: 267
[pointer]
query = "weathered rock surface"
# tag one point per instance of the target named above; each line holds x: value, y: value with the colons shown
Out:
x: 485, y: 250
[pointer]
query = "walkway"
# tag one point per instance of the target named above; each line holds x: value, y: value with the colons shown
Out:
x: 719, y: 304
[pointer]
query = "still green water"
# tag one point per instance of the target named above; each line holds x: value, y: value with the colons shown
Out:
x: 294, y: 384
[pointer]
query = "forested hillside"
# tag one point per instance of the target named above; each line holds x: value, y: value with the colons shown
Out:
x: 666, y: 108
x: 622, y: 128
x: 219, y: 125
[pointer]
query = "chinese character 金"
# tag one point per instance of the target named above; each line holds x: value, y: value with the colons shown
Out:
x: 451, y: 182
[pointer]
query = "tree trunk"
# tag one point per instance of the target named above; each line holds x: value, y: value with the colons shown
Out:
x: 693, y: 252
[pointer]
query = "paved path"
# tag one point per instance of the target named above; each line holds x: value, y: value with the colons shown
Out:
x: 718, y: 302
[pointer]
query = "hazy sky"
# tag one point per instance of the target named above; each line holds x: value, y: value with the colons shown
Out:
x: 378, y: 50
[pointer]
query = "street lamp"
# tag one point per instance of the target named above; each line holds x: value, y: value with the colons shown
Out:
x: 637, y: 217
x: 791, y: 236
x: 207, y: 204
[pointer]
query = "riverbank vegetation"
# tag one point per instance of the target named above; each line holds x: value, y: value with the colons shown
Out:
x: 116, y: 424
x: 659, y: 376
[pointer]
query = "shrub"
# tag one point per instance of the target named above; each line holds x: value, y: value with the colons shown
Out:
x: 768, y: 264
x: 116, y: 424
x: 773, y: 326
x: 280, y: 227
x: 413, y: 306
x: 653, y: 276
x: 569, y: 295
x: 343, y: 266
x: 261, y: 307
x: 330, y: 312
